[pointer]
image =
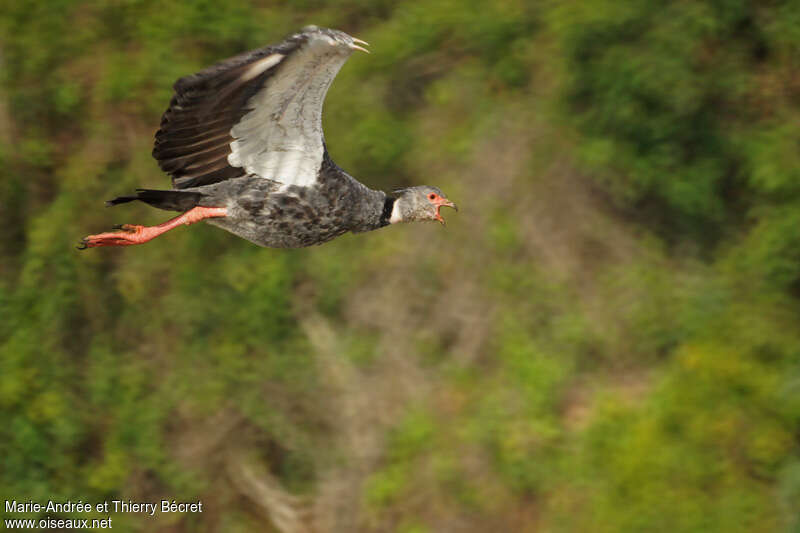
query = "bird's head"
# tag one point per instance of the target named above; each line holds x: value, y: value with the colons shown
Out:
x: 418, y: 204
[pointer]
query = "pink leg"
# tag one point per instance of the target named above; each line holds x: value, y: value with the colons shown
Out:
x: 133, y: 234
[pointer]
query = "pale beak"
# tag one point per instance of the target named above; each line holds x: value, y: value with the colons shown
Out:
x: 446, y: 203
x: 356, y: 47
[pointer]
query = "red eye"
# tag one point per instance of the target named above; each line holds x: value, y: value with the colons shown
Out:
x: 432, y: 196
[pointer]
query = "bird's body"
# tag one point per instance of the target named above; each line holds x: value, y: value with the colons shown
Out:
x: 269, y: 214
x: 243, y: 143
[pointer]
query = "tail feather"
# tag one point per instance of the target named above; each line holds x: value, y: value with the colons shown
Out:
x: 168, y: 200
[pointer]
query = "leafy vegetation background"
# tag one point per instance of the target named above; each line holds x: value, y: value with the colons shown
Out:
x: 605, y: 338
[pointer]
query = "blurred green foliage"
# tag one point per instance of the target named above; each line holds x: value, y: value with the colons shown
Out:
x: 606, y: 338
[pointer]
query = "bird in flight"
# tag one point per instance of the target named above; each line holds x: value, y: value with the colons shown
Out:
x: 243, y: 143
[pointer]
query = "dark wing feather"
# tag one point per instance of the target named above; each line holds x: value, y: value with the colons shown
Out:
x: 193, y: 142
x: 258, y: 113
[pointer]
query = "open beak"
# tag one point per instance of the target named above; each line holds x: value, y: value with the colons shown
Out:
x: 445, y: 203
x: 356, y: 47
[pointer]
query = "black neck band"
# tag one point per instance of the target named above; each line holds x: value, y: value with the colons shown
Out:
x: 388, y: 204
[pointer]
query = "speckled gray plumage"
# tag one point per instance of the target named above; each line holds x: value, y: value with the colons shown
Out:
x: 264, y: 213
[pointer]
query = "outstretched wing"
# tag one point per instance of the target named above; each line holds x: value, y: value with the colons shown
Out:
x: 257, y: 113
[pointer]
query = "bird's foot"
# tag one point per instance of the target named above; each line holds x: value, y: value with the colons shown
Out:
x: 129, y: 234
x: 134, y: 234
x: 130, y: 228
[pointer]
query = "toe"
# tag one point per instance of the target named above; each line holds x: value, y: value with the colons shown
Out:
x: 106, y: 239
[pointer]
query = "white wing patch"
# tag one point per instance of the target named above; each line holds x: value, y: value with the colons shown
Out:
x: 281, y: 138
x: 260, y: 66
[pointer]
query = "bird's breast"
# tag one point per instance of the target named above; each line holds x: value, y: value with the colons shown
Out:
x: 296, y: 218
